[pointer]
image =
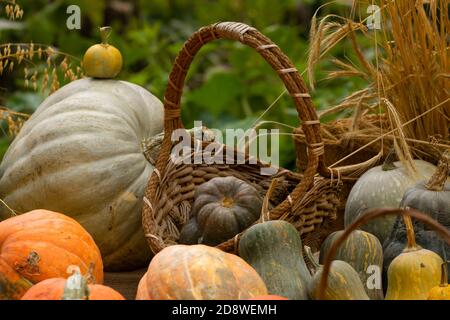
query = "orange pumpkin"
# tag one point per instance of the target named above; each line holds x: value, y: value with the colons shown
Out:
x: 103, y: 61
x: 142, y: 291
x: 40, y: 245
x: 199, y: 272
x: 269, y: 297
x: 59, y: 289
x: 12, y: 285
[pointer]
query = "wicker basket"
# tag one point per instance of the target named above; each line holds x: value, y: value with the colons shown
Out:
x: 308, y: 200
x: 352, y: 146
x: 349, y: 150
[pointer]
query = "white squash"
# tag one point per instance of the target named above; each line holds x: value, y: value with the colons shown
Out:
x: 81, y: 154
x: 381, y: 187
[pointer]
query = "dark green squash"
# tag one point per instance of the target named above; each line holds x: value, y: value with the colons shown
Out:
x: 431, y: 198
x: 343, y: 281
x: 361, y: 250
x: 190, y: 233
x: 274, y: 250
x: 223, y: 207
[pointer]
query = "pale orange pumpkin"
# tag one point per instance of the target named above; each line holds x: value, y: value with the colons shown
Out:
x: 199, y: 272
x: 59, y: 289
x: 40, y: 245
x: 142, y: 290
x: 103, y: 60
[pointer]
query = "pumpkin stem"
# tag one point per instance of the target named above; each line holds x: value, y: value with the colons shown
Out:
x: 444, y: 275
x: 105, y: 32
x: 311, y: 259
x: 412, y: 245
x: 227, y: 202
x: 76, y: 287
x: 388, y: 163
x: 438, y: 179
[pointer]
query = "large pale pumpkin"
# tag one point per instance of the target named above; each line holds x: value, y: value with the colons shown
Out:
x: 40, y: 245
x: 81, y: 153
x: 382, y: 187
x: 199, y: 272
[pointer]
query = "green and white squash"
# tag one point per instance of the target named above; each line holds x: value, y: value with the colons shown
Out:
x: 364, y: 253
x: 382, y: 187
x: 82, y: 153
x: 343, y: 281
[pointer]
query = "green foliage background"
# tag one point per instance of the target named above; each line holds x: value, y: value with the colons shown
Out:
x: 228, y: 86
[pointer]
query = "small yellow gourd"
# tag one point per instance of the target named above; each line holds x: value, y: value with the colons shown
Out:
x: 102, y: 60
x: 442, y: 291
x: 414, y: 272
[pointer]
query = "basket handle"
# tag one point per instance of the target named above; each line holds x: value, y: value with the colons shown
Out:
x: 286, y: 71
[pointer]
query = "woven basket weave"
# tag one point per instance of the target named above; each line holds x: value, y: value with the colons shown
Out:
x: 307, y: 200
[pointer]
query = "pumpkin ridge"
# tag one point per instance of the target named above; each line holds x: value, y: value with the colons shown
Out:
x: 103, y: 106
x: 17, y: 236
x: 8, y: 257
x: 20, y: 225
x: 82, y: 103
x: 22, y: 161
x: 28, y: 183
x: 195, y: 294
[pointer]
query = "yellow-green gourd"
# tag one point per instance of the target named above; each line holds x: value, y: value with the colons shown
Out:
x: 441, y: 292
x: 414, y: 272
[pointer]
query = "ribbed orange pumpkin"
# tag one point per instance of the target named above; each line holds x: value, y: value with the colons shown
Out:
x: 53, y: 289
x: 199, y: 272
x: 40, y: 245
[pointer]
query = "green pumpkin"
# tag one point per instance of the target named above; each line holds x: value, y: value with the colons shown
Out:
x: 274, y: 250
x: 361, y: 250
x: 382, y: 187
x: 343, y: 281
x: 223, y: 207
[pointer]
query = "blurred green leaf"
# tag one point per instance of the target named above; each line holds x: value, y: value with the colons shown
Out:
x: 218, y: 94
